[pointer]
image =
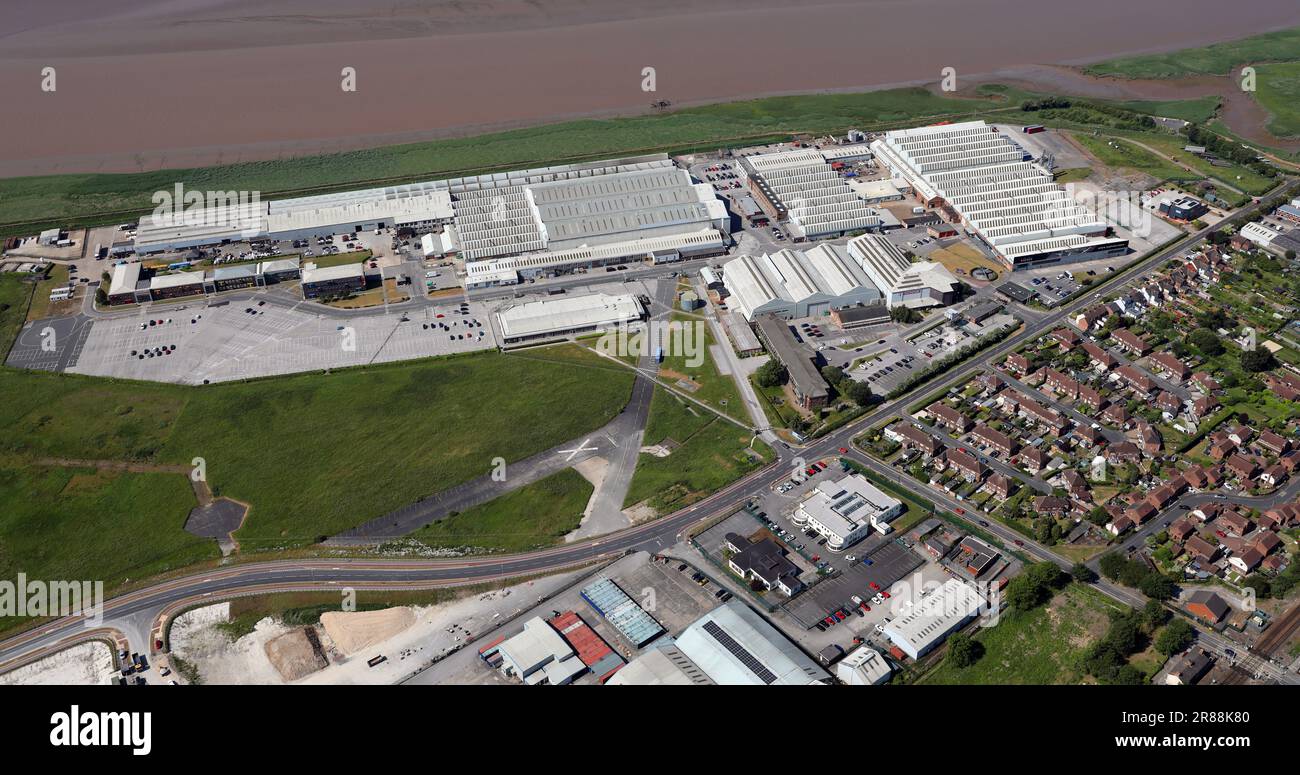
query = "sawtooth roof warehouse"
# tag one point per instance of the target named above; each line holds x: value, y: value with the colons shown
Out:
x: 1010, y: 204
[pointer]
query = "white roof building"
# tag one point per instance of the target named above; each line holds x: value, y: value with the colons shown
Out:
x: 232, y: 221
x: 816, y: 201
x: 565, y: 315
x: 1259, y: 234
x: 923, y: 284
x: 662, y: 666
x: 795, y: 284
x: 124, y: 279
x: 932, y: 619
x: 413, y: 205
x: 539, y: 654
x: 506, y: 270
x: 864, y: 666
x: 735, y: 646
x: 846, y: 510
x: 312, y: 274
x: 1011, y: 204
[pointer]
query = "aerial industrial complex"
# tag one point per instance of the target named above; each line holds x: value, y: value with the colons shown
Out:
x: 868, y: 452
x: 1008, y: 202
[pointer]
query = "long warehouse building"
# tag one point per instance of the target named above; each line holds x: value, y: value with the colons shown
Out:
x: 1010, y: 204
x: 795, y: 284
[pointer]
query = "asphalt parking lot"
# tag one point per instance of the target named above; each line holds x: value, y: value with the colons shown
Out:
x: 52, y: 344
x: 896, y: 361
x: 223, y: 341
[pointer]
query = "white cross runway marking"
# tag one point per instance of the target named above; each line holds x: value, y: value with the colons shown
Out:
x: 580, y: 448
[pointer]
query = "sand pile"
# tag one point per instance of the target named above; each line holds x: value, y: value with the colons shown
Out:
x: 296, y: 654
x: 354, y: 631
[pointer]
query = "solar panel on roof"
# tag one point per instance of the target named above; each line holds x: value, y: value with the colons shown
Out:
x: 740, y: 652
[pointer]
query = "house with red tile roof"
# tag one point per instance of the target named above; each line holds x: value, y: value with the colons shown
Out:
x: 1242, y: 467
x: 1201, y: 549
x: 951, y: 418
x: 1171, y: 366
x: 1273, y: 442
x: 1100, y: 357
x: 1127, y: 340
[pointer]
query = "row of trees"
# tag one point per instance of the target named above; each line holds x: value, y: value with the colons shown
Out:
x: 1136, y: 574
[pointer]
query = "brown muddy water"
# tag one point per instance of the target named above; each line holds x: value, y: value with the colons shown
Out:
x: 143, y: 84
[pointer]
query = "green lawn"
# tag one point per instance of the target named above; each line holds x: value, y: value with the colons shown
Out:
x: 79, y: 198
x: 1218, y: 59
x: 353, y: 257
x: 711, y: 455
x: 15, y: 295
x: 312, y: 454
x: 1197, y: 111
x: 80, y: 524
x: 1279, y: 92
x: 715, y: 389
x: 1118, y: 154
x: 1038, y: 647
x: 537, y: 515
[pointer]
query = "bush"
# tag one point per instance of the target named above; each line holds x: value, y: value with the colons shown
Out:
x: 963, y: 650
x: 1175, y: 638
x: 772, y: 374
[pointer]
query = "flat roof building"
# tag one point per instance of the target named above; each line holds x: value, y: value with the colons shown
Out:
x: 567, y: 315
x: 332, y: 280
x: 846, y: 510
x: 934, y: 617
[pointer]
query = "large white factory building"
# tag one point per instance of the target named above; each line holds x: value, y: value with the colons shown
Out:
x: 1009, y: 203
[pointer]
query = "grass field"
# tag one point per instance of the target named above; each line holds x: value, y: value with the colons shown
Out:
x: 82, y: 524
x: 961, y: 258
x: 1218, y: 59
x: 713, y: 388
x: 41, y: 306
x: 15, y: 295
x: 340, y: 259
x: 712, y: 454
x: 1041, y: 646
x: 1279, y: 93
x: 65, y: 199
x: 312, y: 454
x: 1197, y: 111
x: 537, y: 515
x: 1120, y: 155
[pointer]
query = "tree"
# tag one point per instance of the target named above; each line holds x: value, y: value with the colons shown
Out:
x: 772, y: 374
x: 902, y: 314
x: 1257, y: 360
x: 1155, y: 614
x: 1156, y: 586
x: 101, y: 296
x: 963, y: 650
x: 1207, y: 342
x: 1033, y: 587
x: 1082, y: 573
x: 1175, y: 637
x: 833, y: 375
x: 860, y: 393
